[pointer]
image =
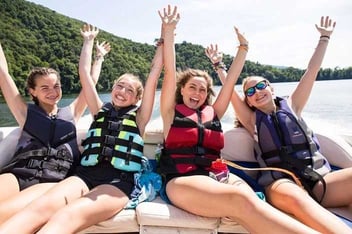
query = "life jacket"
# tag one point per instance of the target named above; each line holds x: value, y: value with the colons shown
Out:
x: 114, y: 136
x: 194, y: 140
x: 286, y: 142
x: 47, y: 147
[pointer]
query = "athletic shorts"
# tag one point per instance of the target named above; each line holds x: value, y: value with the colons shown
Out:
x: 105, y: 173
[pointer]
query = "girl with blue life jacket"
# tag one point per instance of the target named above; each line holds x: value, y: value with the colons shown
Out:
x: 284, y: 140
x: 193, y: 139
x: 103, y: 181
x: 47, y: 148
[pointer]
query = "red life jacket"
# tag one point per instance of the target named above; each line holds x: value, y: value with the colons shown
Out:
x: 194, y: 140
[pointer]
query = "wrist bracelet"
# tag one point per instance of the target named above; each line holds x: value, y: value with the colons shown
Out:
x: 159, y: 42
x: 219, y: 65
x: 99, y: 57
x: 324, y: 36
x: 243, y: 46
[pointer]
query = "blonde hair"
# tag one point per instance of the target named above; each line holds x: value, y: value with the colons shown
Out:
x: 139, y: 86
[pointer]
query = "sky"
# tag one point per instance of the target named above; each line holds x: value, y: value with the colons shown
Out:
x: 280, y: 32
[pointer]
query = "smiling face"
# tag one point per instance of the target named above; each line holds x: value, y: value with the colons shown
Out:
x: 194, y: 92
x: 259, y: 93
x: 47, y: 90
x: 126, y: 91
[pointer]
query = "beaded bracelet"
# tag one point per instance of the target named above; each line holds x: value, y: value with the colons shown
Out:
x: 159, y: 42
x: 219, y: 65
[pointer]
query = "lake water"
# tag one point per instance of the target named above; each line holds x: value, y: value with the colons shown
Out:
x: 328, y: 109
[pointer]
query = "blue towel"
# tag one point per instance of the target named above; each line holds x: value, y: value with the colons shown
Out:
x: 147, y: 185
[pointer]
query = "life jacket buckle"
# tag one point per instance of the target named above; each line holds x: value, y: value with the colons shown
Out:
x: 200, y: 150
x: 202, y: 161
x: 114, y: 125
x: 107, y: 151
x: 109, y: 140
x: 288, y: 149
x: 51, y: 151
x: 33, y: 163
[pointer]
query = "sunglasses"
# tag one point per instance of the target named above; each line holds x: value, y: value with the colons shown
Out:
x: 259, y: 86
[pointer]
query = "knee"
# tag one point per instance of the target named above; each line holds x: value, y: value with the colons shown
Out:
x: 245, y: 203
x: 289, y: 201
x: 42, y: 206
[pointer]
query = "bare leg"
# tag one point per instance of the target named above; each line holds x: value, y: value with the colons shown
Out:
x: 16, y: 203
x: 204, y: 196
x: 290, y: 198
x: 8, y: 181
x: 338, y: 188
x: 98, y: 205
x: 38, y: 212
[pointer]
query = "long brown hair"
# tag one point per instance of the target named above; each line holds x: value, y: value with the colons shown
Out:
x: 184, y: 76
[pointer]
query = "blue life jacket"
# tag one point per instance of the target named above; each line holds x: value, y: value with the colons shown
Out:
x: 286, y: 142
x: 47, y: 147
x: 114, y: 136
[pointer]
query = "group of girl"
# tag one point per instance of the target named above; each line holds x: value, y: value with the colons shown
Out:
x: 53, y: 188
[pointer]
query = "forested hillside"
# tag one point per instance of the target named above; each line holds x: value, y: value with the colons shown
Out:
x: 33, y: 35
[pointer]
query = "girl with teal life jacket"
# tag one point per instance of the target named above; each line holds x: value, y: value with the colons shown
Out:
x: 194, y: 138
x: 47, y: 148
x: 103, y: 182
x: 284, y: 140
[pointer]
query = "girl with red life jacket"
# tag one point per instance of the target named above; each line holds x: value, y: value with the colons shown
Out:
x: 193, y: 140
x: 284, y: 140
x: 47, y: 149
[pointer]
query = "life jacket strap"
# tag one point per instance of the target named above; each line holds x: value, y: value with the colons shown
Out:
x: 197, y: 150
x: 287, y: 148
x: 112, y: 141
x: 196, y: 160
x: 106, y: 153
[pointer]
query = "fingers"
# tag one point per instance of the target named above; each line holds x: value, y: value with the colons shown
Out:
x: 169, y: 15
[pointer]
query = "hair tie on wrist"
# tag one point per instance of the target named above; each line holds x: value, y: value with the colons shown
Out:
x: 324, y: 36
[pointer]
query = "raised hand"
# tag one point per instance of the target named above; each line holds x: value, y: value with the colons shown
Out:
x: 102, y: 48
x: 214, y: 54
x: 326, y: 27
x: 169, y: 17
x: 242, y: 40
x: 89, y: 32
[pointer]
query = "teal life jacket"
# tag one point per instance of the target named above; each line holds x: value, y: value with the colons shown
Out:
x: 114, y: 136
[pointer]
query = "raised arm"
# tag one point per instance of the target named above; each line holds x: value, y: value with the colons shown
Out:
x: 10, y: 92
x: 216, y: 57
x: 169, y: 18
x: 88, y: 84
x: 146, y: 108
x: 101, y: 49
x: 300, y: 95
x: 221, y: 103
